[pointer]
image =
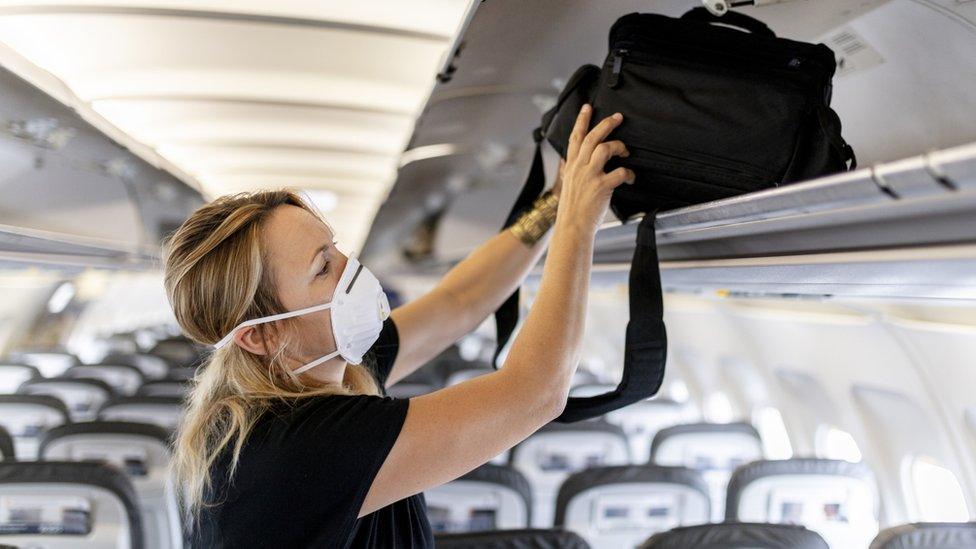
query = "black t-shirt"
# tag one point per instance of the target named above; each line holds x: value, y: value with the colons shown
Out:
x: 304, y: 472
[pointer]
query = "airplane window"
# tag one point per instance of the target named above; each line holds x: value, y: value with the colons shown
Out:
x: 834, y: 443
x: 935, y: 492
x: 775, y: 438
x: 678, y: 391
x: 61, y: 298
x: 718, y: 408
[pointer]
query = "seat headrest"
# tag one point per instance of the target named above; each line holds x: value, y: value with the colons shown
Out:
x: 46, y: 401
x: 147, y: 430
x: 927, y: 535
x: 96, y: 384
x: 625, y: 474
x: 502, y: 476
x: 83, y: 473
x: 581, y: 427
x: 6, y: 446
x: 698, y: 428
x: 24, y: 367
x: 511, y: 539
x: 151, y: 400
x: 750, y: 472
x: 737, y: 534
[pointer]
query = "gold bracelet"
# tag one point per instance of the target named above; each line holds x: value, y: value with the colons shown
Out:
x: 532, y: 225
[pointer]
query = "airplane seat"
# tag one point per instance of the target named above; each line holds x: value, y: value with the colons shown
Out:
x: 27, y: 417
x: 409, y: 390
x: 512, y: 539
x: 491, y: 497
x: 557, y: 450
x: 713, y: 449
x: 83, y: 397
x: 143, y: 452
x: 125, y: 379
x: 13, y: 375
x: 927, y: 535
x: 6, y: 446
x: 61, y: 505
x: 640, y: 420
x: 165, y: 388
x: 179, y: 350
x: 835, y: 498
x: 183, y: 373
x: 49, y: 363
x: 620, y: 506
x: 737, y: 534
x: 152, y: 367
x: 165, y: 412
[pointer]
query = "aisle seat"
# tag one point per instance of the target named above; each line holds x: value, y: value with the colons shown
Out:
x: 512, y: 539
x: 13, y: 375
x: 165, y: 388
x: 491, y: 497
x: 49, y: 363
x: 27, y: 417
x: 83, y: 397
x: 740, y: 535
x: 151, y: 366
x: 125, y: 379
x: 927, y: 535
x: 837, y: 499
x: 163, y: 411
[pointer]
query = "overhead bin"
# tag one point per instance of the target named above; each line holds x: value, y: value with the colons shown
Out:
x: 899, y: 229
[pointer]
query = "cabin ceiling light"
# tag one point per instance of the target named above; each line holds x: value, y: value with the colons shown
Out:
x: 426, y: 152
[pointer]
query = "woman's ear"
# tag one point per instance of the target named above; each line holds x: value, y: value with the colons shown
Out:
x: 250, y: 340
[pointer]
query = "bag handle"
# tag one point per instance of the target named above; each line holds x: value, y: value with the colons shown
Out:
x: 646, y: 346
x: 731, y: 18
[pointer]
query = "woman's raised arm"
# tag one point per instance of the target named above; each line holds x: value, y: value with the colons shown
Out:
x: 450, y: 432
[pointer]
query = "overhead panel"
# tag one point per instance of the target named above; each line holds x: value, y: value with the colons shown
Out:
x: 314, y: 95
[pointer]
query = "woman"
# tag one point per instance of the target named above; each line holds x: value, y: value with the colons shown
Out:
x: 287, y: 441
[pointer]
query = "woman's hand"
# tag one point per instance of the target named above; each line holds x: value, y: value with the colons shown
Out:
x: 585, y: 188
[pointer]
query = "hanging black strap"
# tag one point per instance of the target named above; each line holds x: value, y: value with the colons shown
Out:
x: 506, y: 317
x: 732, y: 18
x: 647, y: 342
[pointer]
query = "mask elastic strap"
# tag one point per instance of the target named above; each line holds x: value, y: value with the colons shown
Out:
x: 229, y: 337
x: 314, y: 363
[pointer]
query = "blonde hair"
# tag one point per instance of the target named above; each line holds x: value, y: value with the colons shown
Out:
x: 216, y: 278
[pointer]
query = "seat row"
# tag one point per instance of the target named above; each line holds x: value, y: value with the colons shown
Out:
x: 724, y: 536
x: 97, y: 484
x: 621, y: 505
x: 28, y: 417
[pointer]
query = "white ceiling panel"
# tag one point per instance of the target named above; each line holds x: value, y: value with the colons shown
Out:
x: 243, y: 95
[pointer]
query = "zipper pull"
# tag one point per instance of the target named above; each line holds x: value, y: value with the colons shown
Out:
x: 617, y: 62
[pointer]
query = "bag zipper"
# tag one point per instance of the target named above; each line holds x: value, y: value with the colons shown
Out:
x: 617, y: 63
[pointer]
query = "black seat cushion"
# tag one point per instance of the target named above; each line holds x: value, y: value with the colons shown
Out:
x: 512, y: 539
x: 737, y: 535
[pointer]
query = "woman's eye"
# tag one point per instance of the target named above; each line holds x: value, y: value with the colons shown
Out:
x: 325, y: 269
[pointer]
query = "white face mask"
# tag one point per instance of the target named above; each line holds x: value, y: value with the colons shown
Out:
x: 359, y: 308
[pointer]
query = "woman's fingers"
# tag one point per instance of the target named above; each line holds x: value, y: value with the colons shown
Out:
x: 616, y: 177
x: 598, y: 134
x: 605, y: 151
x: 579, y: 131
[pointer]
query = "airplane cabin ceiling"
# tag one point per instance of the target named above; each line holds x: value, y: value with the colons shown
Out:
x: 241, y: 95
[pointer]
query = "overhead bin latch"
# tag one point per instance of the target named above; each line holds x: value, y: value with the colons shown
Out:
x: 721, y: 7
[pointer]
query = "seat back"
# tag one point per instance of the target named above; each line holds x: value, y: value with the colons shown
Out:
x: 165, y: 388
x: 491, y: 497
x: 48, y: 363
x: 27, y: 417
x: 178, y: 350
x: 143, y: 452
x: 620, y: 506
x: 737, y: 534
x: 557, y: 450
x: 837, y: 499
x: 7, y: 452
x: 124, y: 379
x: 512, y: 539
x: 163, y: 411
x: 13, y: 375
x: 83, y: 397
x: 927, y: 535
x: 151, y: 366
x: 61, y: 505
x: 713, y: 449
x: 640, y: 420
